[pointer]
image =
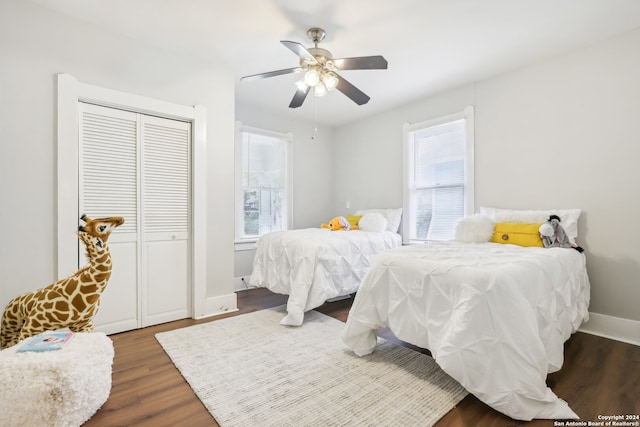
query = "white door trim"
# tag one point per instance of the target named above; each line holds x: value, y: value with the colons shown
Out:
x: 70, y: 92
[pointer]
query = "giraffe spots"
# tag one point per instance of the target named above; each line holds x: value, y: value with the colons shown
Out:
x: 30, y: 304
x: 14, y: 309
x: 83, y: 327
x: 50, y: 317
x: 103, y: 277
x: 91, y: 299
x: 103, y: 267
x: 62, y: 305
x: 89, y: 289
x: 70, y: 287
x: 78, y: 303
x: 80, y: 271
x: 62, y: 316
x: 104, y: 258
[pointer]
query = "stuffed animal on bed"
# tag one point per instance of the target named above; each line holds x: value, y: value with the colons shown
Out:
x: 554, y: 236
x: 339, y: 223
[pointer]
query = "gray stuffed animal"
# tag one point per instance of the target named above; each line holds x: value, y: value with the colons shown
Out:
x: 554, y: 236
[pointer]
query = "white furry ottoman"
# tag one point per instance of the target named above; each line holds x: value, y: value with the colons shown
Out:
x: 56, y: 388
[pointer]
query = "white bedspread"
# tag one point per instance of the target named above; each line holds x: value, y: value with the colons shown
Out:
x: 495, y: 317
x: 315, y: 264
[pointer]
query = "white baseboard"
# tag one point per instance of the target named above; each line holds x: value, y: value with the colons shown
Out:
x: 615, y: 328
x: 219, y: 305
x: 240, y: 283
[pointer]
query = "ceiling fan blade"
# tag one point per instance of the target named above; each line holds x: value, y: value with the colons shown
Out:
x: 271, y: 74
x: 361, y: 63
x: 355, y: 94
x: 300, y: 50
x: 299, y: 97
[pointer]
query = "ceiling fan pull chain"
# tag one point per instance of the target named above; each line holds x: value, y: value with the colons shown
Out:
x: 315, y: 119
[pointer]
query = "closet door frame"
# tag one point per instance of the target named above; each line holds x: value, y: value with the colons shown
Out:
x: 70, y: 92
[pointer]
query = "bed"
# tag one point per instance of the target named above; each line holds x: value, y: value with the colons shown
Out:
x: 314, y: 265
x: 494, y: 316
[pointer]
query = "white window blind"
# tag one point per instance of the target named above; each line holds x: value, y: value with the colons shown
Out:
x: 262, y: 182
x: 439, y: 156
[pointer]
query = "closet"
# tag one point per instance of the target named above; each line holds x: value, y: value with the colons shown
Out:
x: 138, y: 166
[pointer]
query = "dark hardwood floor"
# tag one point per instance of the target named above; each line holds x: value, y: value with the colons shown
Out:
x: 599, y: 377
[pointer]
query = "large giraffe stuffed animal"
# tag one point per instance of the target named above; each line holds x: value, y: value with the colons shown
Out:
x: 70, y: 302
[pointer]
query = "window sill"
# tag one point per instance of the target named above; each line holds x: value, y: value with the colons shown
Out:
x: 245, y: 245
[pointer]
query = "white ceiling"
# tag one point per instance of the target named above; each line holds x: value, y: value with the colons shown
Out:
x: 431, y: 45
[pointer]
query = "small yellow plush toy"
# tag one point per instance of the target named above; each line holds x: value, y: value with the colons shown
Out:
x: 339, y: 223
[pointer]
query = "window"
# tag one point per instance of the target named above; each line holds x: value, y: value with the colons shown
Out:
x: 263, y: 188
x: 438, y: 167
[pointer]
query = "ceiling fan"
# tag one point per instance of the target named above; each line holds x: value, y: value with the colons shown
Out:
x: 320, y: 70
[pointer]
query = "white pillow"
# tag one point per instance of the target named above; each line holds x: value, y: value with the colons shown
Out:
x: 568, y: 217
x: 393, y: 216
x: 373, y: 222
x: 474, y: 229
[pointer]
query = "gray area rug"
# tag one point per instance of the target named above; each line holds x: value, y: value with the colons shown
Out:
x: 249, y: 370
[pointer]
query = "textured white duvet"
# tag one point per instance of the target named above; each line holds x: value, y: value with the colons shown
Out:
x: 495, y: 317
x: 315, y: 264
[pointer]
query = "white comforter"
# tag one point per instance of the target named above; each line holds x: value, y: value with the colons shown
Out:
x: 494, y: 316
x: 315, y: 264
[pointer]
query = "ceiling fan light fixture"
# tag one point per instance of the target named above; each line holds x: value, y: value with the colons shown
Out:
x: 330, y: 65
x: 301, y: 85
x: 330, y: 80
x: 320, y: 90
x: 312, y: 77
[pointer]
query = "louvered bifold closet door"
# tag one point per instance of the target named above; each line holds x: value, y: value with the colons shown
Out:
x: 165, y: 219
x: 108, y: 148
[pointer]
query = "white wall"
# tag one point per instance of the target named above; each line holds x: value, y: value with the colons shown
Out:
x: 563, y: 133
x: 37, y: 44
x: 313, y: 160
x: 368, y: 171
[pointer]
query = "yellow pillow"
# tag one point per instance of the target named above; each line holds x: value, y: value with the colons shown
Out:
x: 517, y: 234
x: 353, y: 219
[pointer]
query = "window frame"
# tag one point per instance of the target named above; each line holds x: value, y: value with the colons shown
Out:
x: 467, y: 114
x: 243, y: 243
